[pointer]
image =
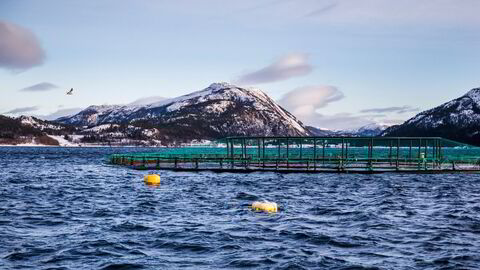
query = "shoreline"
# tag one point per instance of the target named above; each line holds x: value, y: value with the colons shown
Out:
x: 77, y: 146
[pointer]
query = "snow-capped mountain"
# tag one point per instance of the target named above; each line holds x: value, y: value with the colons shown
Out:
x: 220, y: 110
x: 320, y: 132
x: 370, y: 130
x: 458, y: 119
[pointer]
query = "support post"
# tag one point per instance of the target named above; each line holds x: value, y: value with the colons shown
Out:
x: 371, y: 148
x: 419, y: 147
x: 323, y: 152
x: 398, y: 153
x: 426, y: 148
x: 278, y: 143
x: 263, y: 153
x: 287, y: 148
x: 390, y: 154
x: 301, y: 146
x: 410, y: 151
x: 343, y: 141
x: 441, y: 150
x: 228, y: 148
x: 398, y: 148
x: 346, y: 150
x: 244, y: 148
x: 263, y: 145
x: 258, y: 153
x: 232, y: 151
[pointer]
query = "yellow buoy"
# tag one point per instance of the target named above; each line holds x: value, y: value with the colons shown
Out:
x: 265, y: 206
x: 152, y: 179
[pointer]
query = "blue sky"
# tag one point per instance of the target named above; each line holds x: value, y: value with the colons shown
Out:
x: 333, y: 63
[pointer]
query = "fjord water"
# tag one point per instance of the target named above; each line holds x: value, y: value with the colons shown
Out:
x: 65, y: 208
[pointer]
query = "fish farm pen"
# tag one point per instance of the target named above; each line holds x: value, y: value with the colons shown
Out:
x: 313, y: 154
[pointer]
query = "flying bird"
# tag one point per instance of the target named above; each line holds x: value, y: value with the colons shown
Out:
x: 70, y: 92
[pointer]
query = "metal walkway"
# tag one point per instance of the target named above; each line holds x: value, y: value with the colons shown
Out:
x: 315, y: 155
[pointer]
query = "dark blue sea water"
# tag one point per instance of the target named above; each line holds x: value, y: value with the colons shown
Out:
x: 65, y: 208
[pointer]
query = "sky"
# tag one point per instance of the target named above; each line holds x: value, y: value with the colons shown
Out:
x: 335, y: 64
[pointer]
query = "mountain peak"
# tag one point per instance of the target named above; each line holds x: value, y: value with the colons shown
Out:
x: 474, y: 94
x: 226, y: 85
x: 220, y: 85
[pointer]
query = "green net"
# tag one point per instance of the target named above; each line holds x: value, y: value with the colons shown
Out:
x: 305, y: 148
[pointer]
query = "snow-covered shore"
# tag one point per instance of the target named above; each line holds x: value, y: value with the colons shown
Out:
x: 62, y: 142
x: 73, y: 145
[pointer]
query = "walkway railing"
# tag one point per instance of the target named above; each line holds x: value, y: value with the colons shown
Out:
x: 315, y: 154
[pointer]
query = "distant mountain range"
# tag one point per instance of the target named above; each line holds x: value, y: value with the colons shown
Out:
x: 458, y: 119
x: 369, y: 130
x: 222, y: 110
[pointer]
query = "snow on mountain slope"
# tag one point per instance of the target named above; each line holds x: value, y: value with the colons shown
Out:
x: 38, y: 123
x: 370, y: 130
x: 374, y: 129
x: 146, y: 101
x: 222, y: 109
x: 458, y: 119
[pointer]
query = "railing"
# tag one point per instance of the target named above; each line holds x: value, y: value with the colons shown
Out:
x: 340, y: 154
x: 251, y: 162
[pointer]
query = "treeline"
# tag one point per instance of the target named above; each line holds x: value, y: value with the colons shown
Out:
x: 11, y: 128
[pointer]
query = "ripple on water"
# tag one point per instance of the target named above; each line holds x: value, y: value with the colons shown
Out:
x: 65, y: 209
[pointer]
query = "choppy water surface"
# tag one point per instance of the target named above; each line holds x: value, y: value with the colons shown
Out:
x: 66, y: 209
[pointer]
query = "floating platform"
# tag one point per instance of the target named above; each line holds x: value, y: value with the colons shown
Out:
x: 313, y: 155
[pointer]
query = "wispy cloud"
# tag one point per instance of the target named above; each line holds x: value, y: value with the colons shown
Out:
x: 425, y: 12
x: 39, y: 87
x: 322, y: 10
x: 22, y: 110
x: 261, y: 6
x: 393, y: 109
x: 304, y: 101
x: 19, y: 48
x: 288, y: 66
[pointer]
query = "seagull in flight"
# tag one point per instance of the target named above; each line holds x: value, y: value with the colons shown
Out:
x: 70, y: 92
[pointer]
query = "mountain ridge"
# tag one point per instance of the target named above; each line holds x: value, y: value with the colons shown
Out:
x: 457, y: 119
x: 220, y: 110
